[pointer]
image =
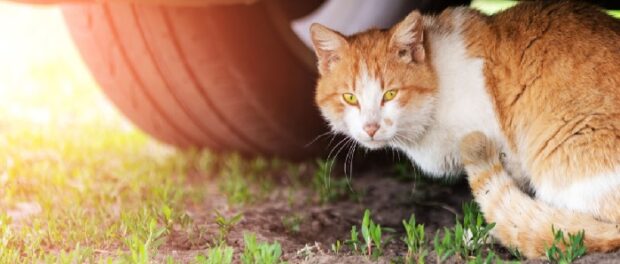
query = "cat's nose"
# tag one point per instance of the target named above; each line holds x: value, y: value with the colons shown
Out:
x: 371, y: 128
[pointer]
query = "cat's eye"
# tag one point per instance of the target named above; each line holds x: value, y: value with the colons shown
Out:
x: 389, y: 95
x: 350, y: 98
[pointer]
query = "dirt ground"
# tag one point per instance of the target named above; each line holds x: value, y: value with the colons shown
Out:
x: 435, y: 204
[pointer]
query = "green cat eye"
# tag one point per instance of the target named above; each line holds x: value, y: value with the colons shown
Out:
x: 349, y: 98
x: 389, y: 95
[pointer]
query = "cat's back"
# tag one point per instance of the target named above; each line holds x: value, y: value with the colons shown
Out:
x: 557, y: 40
x: 536, y: 37
x: 565, y: 22
x: 570, y: 12
x: 552, y: 67
x: 561, y: 50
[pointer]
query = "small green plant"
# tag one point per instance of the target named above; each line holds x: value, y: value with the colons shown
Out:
x: 476, y: 233
x: 140, y: 248
x: 354, y: 243
x: 292, y: 222
x: 336, y: 247
x: 260, y: 253
x: 170, y: 260
x: 204, y: 161
x: 415, y: 241
x: 327, y: 188
x: 258, y: 165
x: 491, y: 258
x: 166, y: 215
x: 5, y: 231
x: 373, y: 236
x: 405, y: 171
x: 76, y: 255
x: 294, y: 172
x: 234, y: 182
x: 514, y: 251
x: 402, y: 170
x: 465, y: 239
x: 225, y: 225
x: 573, y: 248
x: 370, y: 232
x: 217, y: 255
x: 444, y: 246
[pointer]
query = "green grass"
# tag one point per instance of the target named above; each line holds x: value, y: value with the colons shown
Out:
x: 260, y: 253
x: 414, y: 239
x: 250, y: 181
x: 328, y: 189
x: 466, y: 239
x: 564, y: 251
x: 354, y: 243
x: 144, y: 244
x: 494, y: 6
x: 89, y: 188
x: 79, y: 183
x: 336, y: 247
x: 217, y: 255
x: 225, y: 225
x: 235, y: 184
x: 293, y: 222
x: 373, y: 236
x: 469, y: 240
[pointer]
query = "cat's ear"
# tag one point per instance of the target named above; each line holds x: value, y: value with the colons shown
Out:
x: 408, y: 36
x: 326, y: 44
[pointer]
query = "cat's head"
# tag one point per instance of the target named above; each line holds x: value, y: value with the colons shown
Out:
x: 378, y: 86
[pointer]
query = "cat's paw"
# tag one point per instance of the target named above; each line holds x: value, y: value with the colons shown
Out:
x: 479, y: 151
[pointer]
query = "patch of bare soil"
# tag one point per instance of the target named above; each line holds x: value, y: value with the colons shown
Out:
x: 436, y: 205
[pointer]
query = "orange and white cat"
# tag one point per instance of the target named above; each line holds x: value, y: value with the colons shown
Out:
x: 524, y: 101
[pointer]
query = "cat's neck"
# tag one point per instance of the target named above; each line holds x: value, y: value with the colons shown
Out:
x: 462, y: 103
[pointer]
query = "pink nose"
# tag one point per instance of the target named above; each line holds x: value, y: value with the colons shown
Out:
x: 371, y: 128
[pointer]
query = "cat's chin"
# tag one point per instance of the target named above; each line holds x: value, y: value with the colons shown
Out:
x: 374, y: 144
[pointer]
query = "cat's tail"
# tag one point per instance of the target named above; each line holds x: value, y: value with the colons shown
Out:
x: 521, y: 221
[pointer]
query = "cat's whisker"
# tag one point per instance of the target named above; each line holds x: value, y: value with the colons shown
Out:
x: 398, y: 139
x: 342, y: 141
x: 346, y: 158
x: 352, y: 157
x: 350, y: 177
x: 320, y: 136
x: 393, y: 148
x: 349, y: 157
x: 404, y: 139
x: 348, y: 144
x: 331, y: 140
x: 329, y: 155
x: 396, y: 152
x: 333, y: 159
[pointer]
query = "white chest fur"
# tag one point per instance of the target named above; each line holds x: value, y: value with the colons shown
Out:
x: 463, y: 106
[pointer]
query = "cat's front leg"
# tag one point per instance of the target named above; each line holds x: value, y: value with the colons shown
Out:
x: 515, y: 170
x: 481, y: 159
x: 500, y: 198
